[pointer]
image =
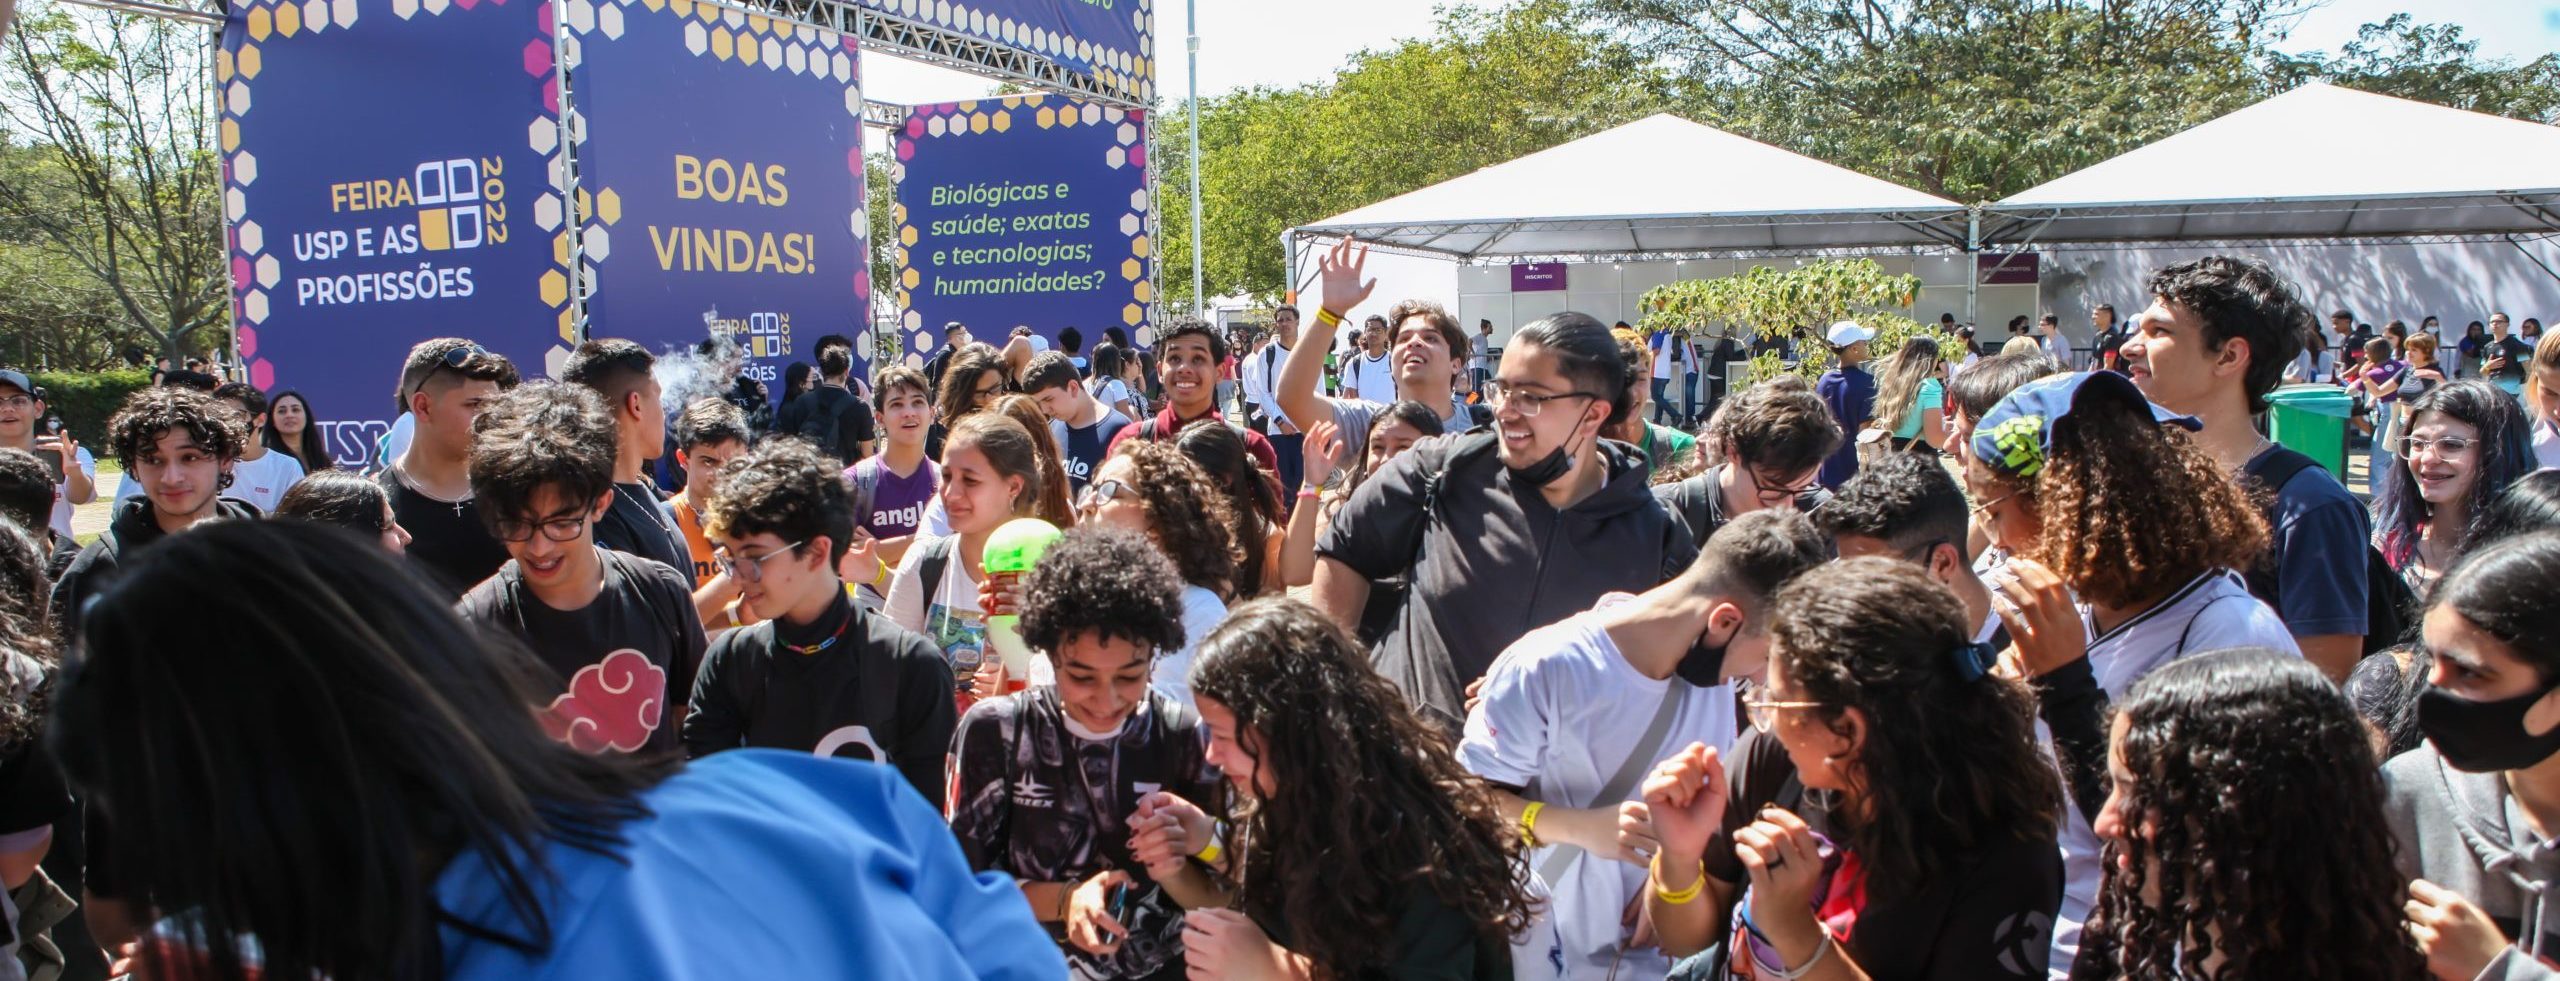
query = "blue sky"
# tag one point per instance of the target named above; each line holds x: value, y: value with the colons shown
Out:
x: 1254, y: 42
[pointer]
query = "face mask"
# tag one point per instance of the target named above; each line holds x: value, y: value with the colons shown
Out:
x: 2484, y: 737
x: 1549, y: 469
x: 1703, y: 666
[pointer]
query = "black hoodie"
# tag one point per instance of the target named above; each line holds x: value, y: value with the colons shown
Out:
x: 1491, y: 559
x: 133, y: 528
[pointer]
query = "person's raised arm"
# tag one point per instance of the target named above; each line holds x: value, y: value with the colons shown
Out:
x: 1340, y: 272
x: 1298, y: 551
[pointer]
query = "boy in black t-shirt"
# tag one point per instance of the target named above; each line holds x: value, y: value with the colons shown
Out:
x: 637, y: 521
x: 823, y: 675
x: 444, y: 386
x: 618, y: 630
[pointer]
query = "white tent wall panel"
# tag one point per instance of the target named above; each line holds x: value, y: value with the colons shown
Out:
x: 2458, y: 282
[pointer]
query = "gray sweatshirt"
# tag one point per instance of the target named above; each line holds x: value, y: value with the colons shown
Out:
x: 2464, y: 832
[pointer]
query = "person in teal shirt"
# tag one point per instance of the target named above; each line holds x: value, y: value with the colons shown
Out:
x: 1912, y: 391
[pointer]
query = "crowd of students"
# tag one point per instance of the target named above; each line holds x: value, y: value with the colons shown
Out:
x: 1471, y: 671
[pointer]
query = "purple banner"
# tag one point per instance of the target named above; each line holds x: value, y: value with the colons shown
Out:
x: 2009, y: 268
x: 1537, y: 277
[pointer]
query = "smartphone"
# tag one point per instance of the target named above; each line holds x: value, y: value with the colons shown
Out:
x: 48, y: 451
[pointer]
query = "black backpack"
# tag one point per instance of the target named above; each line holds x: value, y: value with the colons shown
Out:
x: 2390, y: 605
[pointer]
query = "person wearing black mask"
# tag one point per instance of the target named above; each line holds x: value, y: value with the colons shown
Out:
x: 1503, y: 529
x: 2472, y: 808
x: 1575, y: 713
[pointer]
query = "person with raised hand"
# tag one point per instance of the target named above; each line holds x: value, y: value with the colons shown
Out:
x: 1428, y: 351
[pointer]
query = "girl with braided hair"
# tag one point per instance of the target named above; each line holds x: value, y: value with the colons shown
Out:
x: 2209, y: 754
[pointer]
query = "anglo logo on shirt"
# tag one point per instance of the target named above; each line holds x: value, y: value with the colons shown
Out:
x: 905, y: 517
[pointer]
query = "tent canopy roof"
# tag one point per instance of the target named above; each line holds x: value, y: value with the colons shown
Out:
x: 1661, y: 184
x: 2301, y: 165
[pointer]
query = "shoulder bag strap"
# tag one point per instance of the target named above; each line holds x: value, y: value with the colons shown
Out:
x: 1648, y: 748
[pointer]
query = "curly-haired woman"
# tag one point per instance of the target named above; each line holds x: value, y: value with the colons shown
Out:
x: 1889, y: 817
x: 1046, y: 779
x: 1151, y: 488
x: 2100, y: 495
x: 2208, y: 754
x: 2471, y: 809
x: 1359, y: 848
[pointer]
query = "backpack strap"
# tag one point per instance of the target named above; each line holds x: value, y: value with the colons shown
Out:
x: 2277, y: 467
x: 866, y: 489
x: 937, y: 557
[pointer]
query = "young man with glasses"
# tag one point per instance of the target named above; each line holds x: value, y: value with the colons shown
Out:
x: 823, y: 675
x: 617, y: 630
x: 75, y: 472
x: 1574, y: 714
x: 445, y: 385
x: 1773, y: 437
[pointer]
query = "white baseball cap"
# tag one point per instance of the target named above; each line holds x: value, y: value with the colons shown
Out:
x: 1847, y: 332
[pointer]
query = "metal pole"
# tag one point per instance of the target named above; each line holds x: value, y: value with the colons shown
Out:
x: 1972, y: 268
x: 1191, y: 24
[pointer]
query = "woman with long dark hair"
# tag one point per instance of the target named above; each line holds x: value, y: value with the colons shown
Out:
x: 1108, y: 381
x: 1253, y: 502
x: 1892, y: 782
x: 797, y: 380
x: 294, y: 430
x: 348, y: 500
x: 2469, y: 808
x: 2209, y: 754
x: 1151, y: 488
x: 345, y: 734
x: 2465, y: 443
x: 1360, y: 849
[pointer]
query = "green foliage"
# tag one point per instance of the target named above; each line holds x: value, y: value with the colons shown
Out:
x: 85, y: 399
x: 2431, y: 63
x: 1798, y: 303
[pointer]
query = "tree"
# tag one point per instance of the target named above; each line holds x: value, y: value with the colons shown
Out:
x: 1794, y: 303
x: 1486, y: 87
x: 130, y: 189
x: 2431, y: 63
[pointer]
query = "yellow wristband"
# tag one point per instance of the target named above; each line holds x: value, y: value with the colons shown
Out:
x: 1529, y: 823
x: 1685, y: 896
x: 1211, y: 852
x: 881, y: 576
x: 1328, y: 317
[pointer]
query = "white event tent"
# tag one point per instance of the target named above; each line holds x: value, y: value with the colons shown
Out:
x: 1657, y: 187
x: 2317, y: 163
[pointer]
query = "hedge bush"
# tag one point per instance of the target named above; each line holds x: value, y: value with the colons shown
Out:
x: 84, y: 399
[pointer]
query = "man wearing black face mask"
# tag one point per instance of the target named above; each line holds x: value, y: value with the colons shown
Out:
x: 1504, y: 530
x: 2476, y: 809
x: 1574, y: 714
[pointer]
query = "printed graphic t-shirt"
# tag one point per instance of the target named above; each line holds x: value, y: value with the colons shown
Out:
x: 897, y: 503
x: 1083, y: 449
x: 952, y: 620
x: 625, y: 662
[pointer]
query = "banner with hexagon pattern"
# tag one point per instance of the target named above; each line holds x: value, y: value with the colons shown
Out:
x: 382, y: 164
x: 1112, y: 41
x: 1027, y: 210
x: 720, y: 178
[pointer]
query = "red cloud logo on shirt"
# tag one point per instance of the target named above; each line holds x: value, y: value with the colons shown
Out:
x: 613, y: 704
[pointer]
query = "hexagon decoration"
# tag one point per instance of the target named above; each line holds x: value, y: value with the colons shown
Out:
x: 596, y: 242
x: 773, y: 53
x: 654, y: 5
x: 1114, y: 114
x: 250, y: 61
x: 1138, y: 200
x: 1129, y: 225
x: 557, y: 359
x: 248, y: 338
x: 253, y: 239
x: 244, y: 168
x: 438, y: 6
x: 1133, y: 313
x: 582, y: 15
x: 609, y: 206
x: 852, y: 100
x: 609, y: 20
x: 262, y: 372
x: 1146, y: 338
x: 695, y: 39
x: 1002, y: 121
x: 222, y: 67
x: 911, y: 320
x: 404, y: 9
x: 906, y: 149
x: 1132, y: 269
x: 537, y: 57
x: 230, y: 135
x: 234, y: 204
x: 593, y: 280
x: 560, y: 249
x: 1045, y: 118
x: 342, y: 12
x: 1138, y: 155
x: 977, y: 122
x: 236, y: 98
x: 1092, y: 114
x: 907, y: 236
x: 795, y: 58
x: 722, y: 45
x: 910, y: 278
x: 681, y: 8
x: 315, y: 15
x: 1144, y: 291
x: 1118, y: 157
x: 843, y: 64
x: 758, y: 24
x: 262, y: 22
x: 1128, y: 133
x: 269, y: 271
x: 546, y: 212
x: 1139, y: 246
x: 555, y: 288
x: 254, y: 306
x: 568, y: 332
x: 239, y: 272
x: 977, y: 22
x: 542, y: 135
x: 936, y: 126
x: 734, y: 17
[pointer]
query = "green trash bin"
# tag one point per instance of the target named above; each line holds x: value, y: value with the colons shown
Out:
x: 2312, y: 421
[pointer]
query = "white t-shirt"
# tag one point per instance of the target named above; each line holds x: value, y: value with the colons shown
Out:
x: 261, y: 482
x: 62, y: 489
x: 2213, y: 612
x: 1375, y: 378
x: 953, y: 621
x: 1562, y: 711
x: 2546, y: 445
x: 1202, y: 611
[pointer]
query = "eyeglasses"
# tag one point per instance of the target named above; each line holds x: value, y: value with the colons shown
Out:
x: 2443, y: 445
x: 1983, y: 509
x: 1764, y: 711
x: 1099, y: 493
x: 751, y: 570
x: 17, y: 402
x: 1772, y: 492
x: 1527, y: 404
x: 556, y: 529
